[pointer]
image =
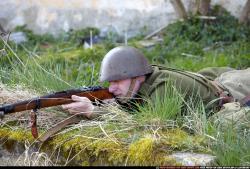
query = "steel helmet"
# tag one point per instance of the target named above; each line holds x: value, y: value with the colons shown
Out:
x: 123, y: 62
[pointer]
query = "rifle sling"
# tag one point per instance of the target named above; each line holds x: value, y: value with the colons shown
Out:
x: 70, y: 120
x: 33, y: 122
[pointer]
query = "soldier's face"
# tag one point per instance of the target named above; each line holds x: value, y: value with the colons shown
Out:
x: 120, y: 87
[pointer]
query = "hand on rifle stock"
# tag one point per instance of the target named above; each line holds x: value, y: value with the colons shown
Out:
x: 81, y: 105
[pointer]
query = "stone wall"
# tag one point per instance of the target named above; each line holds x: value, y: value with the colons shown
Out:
x: 131, y: 16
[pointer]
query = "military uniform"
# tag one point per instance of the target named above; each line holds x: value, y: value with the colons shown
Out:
x: 188, y: 84
x: 213, y: 72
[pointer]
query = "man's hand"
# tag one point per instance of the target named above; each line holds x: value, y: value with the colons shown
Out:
x: 81, y: 105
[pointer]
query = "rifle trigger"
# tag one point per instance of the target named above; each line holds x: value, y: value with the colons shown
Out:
x: 33, y: 125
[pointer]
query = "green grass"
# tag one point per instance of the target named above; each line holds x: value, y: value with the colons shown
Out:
x: 232, y: 148
x: 165, y: 107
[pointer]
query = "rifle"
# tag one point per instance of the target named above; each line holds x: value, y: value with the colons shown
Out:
x: 95, y: 93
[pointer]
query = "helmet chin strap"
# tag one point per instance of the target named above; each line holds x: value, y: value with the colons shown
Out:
x: 129, y: 94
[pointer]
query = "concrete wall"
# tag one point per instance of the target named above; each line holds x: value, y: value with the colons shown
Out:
x: 132, y: 16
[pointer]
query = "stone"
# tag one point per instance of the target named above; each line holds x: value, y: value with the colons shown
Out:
x: 18, y: 37
x: 193, y: 159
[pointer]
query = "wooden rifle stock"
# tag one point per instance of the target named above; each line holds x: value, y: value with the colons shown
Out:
x: 58, y: 98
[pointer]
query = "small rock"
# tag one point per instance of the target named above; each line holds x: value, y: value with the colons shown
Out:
x: 193, y: 159
x: 18, y: 37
